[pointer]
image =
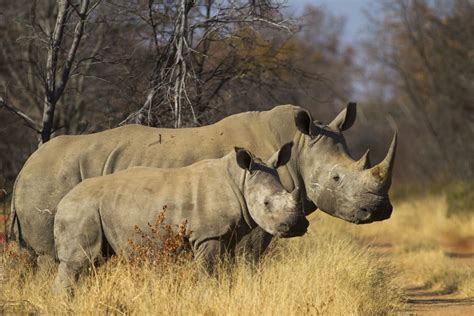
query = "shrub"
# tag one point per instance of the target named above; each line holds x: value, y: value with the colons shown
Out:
x: 161, y: 243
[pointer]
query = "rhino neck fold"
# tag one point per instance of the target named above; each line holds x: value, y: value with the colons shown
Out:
x: 300, y: 142
x: 237, y: 179
x: 295, y: 163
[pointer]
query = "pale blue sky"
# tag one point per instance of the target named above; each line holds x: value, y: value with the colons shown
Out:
x: 350, y: 9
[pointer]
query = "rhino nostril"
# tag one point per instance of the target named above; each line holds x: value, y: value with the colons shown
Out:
x: 364, y: 214
x: 283, y: 228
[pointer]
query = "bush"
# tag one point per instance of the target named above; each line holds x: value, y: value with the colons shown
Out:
x: 162, y: 243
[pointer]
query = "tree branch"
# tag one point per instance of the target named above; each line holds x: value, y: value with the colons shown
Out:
x: 73, y: 49
x: 28, y: 120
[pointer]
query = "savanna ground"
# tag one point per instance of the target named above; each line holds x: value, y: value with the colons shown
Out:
x: 418, y: 262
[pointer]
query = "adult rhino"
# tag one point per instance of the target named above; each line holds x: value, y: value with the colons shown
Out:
x: 221, y: 200
x: 320, y: 166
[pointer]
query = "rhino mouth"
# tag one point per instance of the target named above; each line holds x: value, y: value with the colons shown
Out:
x: 293, y: 234
x: 298, y: 229
x: 377, y: 214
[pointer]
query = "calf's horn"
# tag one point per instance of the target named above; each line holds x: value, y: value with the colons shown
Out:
x: 296, y: 194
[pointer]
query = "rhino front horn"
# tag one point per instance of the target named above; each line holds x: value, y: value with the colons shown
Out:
x: 383, y: 171
x: 364, y: 161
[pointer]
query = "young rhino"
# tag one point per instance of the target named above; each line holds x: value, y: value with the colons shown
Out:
x: 221, y: 199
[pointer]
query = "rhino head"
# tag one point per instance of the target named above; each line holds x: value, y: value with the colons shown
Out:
x: 272, y: 208
x: 352, y: 190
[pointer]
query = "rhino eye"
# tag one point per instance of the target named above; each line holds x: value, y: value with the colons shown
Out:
x: 266, y: 202
x: 336, y: 178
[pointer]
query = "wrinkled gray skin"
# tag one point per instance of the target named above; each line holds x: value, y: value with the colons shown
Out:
x: 344, y: 188
x: 320, y: 166
x: 222, y: 200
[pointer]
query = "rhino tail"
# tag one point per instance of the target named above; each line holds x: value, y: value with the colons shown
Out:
x: 14, y: 232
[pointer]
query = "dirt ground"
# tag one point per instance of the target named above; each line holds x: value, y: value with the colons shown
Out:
x: 422, y: 301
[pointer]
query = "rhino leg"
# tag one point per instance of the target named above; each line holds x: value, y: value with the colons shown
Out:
x: 252, y: 246
x: 78, y: 236
x: 64, y: 280
x: 36, y: 229
x: 210, y: 253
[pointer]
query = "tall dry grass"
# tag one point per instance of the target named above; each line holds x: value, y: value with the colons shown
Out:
x: 333, y: 270
x: 325, y: 273
x: 423, y: 242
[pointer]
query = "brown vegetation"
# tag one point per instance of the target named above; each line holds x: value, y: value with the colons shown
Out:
x: 163, y: 244
x: 338, y: 268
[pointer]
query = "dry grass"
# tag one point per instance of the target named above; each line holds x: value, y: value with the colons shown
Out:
x: 433, y: 270
x: 422, y: 239
x: 331, y: 271
x: 326, y: 273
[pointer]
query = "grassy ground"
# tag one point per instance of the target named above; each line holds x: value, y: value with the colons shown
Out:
x: 336, y: 269
x: 424, y: 244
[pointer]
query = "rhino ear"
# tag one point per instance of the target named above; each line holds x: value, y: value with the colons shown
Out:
x: 304, y: 122
x: 282, y: 156
x: 244, y: 158
x: 346, y: 118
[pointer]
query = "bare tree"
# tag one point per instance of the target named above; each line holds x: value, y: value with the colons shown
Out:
x: 234, y: 56
x: 198, y: 55
x: 60, y: 61
x: 423, y: 50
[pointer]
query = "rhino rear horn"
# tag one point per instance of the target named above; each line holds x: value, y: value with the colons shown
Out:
x: 364, y: 162
x: 345, y: 118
